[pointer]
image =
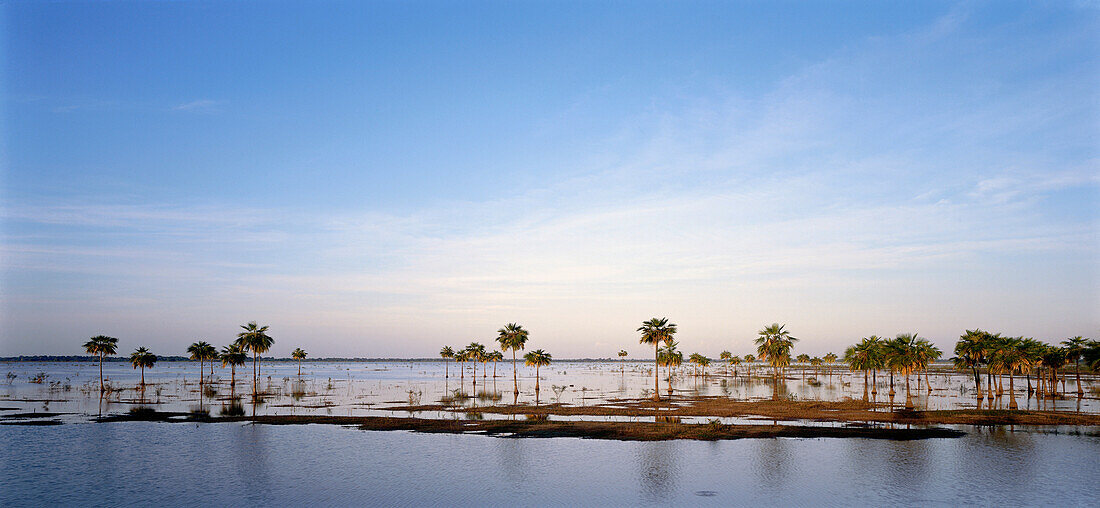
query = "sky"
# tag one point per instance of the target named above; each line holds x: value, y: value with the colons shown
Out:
x: 380, y: 179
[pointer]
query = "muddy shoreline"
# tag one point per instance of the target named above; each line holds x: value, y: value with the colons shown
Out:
x: 534, y: 426
x: 855, y: 418
x: 848, y: 411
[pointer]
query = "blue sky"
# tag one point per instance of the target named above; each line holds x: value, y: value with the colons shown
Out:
x: 379, y: 179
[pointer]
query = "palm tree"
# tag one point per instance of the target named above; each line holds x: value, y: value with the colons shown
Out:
x: 749, y: 359
x: 655, y: 331
x: 774, y: 346
x: 1013, y: 358
x: 699, y: 361
x: 299, y: 355
x: 254, y: 338
x: 461, y: 357
x: 475, y: 353
x: 727, y: 357
x: 446, y: 353
x: 669, y: 357
x: 101, y: 346
x: 970, y: 353
x: 857, y: 361
x: 1075, y: 349
x: 513, y: 337
x: 734, y: 362
x: 991, y: 342
x: 210, y: 353
x: 803, y: 358
x: 901, y: 357
x: 141, y: 357
x: 200, y: 351
x: 537, y: 358
x: 622, y: 354
x: 1054, y: 358
x: 830, y: 358
x: 816, y: 362
x: 495, y: 356
x: 866, y: 356
x: 232, y: 355
x: 1033, y: 349
x: 925, y: 354
x: 1092, y: 355
x: 904, y: 355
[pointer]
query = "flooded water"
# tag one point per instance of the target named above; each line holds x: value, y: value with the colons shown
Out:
x: 144, y: 463
x: 187, y: 464
x: 369, y: 388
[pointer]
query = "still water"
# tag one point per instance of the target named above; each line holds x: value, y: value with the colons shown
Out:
x: 369, y: 388
x: 142, y: 463
x: 187, y: 464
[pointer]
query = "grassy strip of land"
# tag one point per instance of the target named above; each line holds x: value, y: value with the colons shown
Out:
x: 839, y: 411
x: 536, y: 427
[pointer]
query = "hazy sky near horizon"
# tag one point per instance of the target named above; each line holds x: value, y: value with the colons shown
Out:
x: 381, y: 179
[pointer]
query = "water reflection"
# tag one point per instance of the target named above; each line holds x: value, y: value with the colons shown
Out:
x: 358, y: 388
x: 658, y: 471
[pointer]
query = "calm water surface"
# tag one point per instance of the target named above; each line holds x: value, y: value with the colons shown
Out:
x: 146, y: 464
x: 141, y: 463
x: 369, y: 388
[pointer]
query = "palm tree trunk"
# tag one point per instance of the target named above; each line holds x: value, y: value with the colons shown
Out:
x: 656, y: 373
x: 200, y: 377
x: 515, y: 377
x: 1077, y: 368
x: 1011, y: 394
x: 874, y: 381
x: 142, y: 375
x: 255, y: 373
x: 233, y: 378
x: 446, y: 369
x: 536, y: 378
x: 101, y: 390
x: 299, y: 368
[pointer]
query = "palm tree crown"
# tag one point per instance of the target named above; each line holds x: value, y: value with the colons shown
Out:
x: 774, y: 345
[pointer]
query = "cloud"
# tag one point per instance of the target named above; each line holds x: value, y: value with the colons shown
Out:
x: 199, y: 106
x: 843, y: 201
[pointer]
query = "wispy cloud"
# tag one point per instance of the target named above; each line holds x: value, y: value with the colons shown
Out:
x: 840, y: 201
x: 199, y: 106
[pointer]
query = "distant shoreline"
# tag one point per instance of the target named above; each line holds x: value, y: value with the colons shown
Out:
x: 124, y: 359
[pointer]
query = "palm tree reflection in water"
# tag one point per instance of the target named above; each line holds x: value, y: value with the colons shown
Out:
x: 658, y: 471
